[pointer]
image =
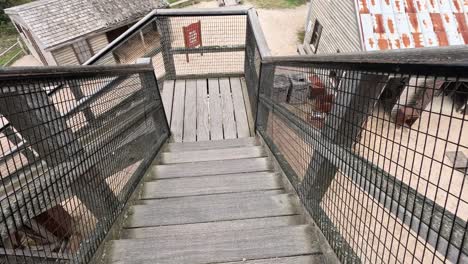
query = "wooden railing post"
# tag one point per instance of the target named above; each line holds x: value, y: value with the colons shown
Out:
x: 75, y: 88
x: 164, y: 28
x: 356, y: 98
x: 37, y: 120
x: 150, y: 84
x: 35, y: 117
x: 265, y: 86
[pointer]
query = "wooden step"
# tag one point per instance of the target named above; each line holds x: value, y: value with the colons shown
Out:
x: 309, y: 259
x: 212, y: 154
x: 214, y: 144
x: 201, y: 228
x: 223, y: 246
x: 211, y: 168
x: 308, y: 49
x: 301, y: 50
x: 210, y: 208
x: 229, y: 183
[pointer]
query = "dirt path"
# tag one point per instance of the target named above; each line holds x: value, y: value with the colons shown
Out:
x: 279, y: 25
x: 27, y: 60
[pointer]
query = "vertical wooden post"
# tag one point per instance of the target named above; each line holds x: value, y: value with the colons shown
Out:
x: 165, y: 31
x: 38, y: 121
x: 414, y: 99
x: 142, y: 37
x: 35, y: 117
x: 13, y: 137
x: 75, y: 88
x: 357, y: 96
x: 18, y: 40
x: 150, y: 85
x: 265, y: 86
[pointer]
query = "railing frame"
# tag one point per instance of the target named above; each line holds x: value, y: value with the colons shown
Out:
x: 48, y: 118
x: 450, y: 61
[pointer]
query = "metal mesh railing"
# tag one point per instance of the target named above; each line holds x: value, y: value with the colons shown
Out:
x: 74, y: 143
x: 376, y: 153
x: 160, y: 36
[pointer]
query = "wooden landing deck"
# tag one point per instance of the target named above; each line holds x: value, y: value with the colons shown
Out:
x: 216, y: 202
x: 206, y: 109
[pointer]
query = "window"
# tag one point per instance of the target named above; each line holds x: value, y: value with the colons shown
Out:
x: 316, y: 34
x: 82, y: 50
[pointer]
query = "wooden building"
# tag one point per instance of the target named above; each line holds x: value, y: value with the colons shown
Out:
x: 69, y: 32
x: 376, y: 25
x: 351, y: 26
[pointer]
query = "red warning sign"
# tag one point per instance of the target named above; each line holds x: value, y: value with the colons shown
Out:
x: 192, y: 36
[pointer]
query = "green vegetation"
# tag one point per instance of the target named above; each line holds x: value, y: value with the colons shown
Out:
x: 10, y: 56
x: 274, y: 4
x: 7, y: 30
x: 300, y: 35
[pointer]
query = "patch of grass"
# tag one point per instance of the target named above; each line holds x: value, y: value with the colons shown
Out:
x: 300, y: 35
x: 277, y: 4
x: 8, y: 58
x: 9, y: 35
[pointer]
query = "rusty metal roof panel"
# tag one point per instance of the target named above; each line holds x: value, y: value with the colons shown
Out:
x: 401, y: 24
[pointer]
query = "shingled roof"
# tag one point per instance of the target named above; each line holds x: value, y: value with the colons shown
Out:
x: 58, y: 21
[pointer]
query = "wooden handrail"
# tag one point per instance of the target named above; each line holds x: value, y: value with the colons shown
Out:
x: 72, y: 71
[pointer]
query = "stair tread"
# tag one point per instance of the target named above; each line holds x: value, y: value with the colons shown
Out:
x: 210, y: 227
x: 210, y: 208
x: 223, y: 246
x: 214, y: 144
x: 227, y: 183
x: 309, y: 259
x: 212, y: 154
x: 211, y: 168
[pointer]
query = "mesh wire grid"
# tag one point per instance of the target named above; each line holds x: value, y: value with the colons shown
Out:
x: 73, y: 149
x: 377, y: 157
x: 221, y: 50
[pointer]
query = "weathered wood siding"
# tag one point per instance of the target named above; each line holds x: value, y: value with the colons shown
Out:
x: 98, y: 42
x: 340, y: 26
x: 65, y: 56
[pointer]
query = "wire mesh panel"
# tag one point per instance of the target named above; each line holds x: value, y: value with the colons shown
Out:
x: 378, y: 155
x: 74, y: 144
x: 182, y: 45
x: 252, y: 66
x: 219, y: 50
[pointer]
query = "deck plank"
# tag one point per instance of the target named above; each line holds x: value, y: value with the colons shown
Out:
x: 229, y: 123
x: 190, y: 112
x: 246, y: 224
x: 213, y: 154
x: 211, y: 168
x: 308, y: 259
x: 248, y: 107
x: 177, y: 124
x: 167, y: 98
x: 210, y: 208
x: 231, y: 183
x: 214, y: 144
x: 239, y: 108
x: 216, y: 119
x: 218, y: 247
x: 203, y: 114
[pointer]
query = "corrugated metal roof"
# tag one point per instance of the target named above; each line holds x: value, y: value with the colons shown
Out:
x: 400, y: 24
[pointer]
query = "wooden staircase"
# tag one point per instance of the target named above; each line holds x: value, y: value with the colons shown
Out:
x: 215, y: 202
